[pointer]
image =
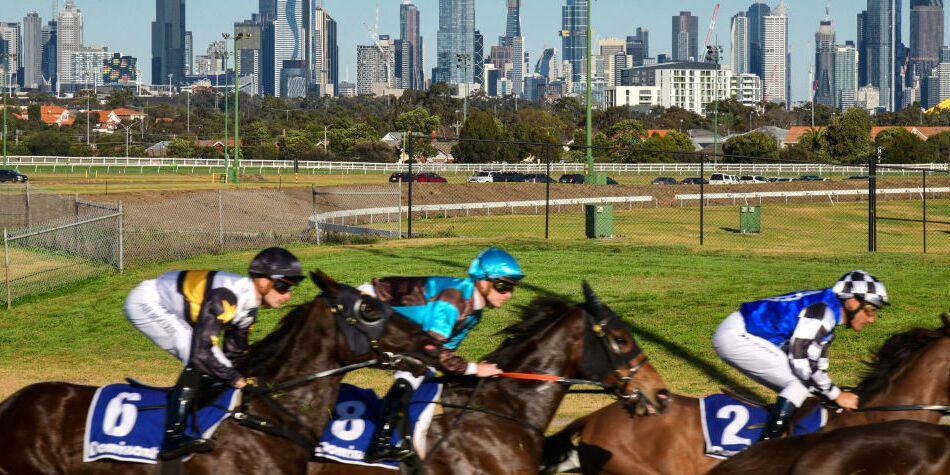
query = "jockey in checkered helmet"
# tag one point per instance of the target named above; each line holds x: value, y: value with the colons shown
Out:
x: 862, y: 286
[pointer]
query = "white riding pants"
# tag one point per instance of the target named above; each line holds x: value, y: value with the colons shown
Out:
x: 169, y: 331
x: 758, y: 358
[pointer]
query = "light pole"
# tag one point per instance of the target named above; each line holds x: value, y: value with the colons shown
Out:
x: 6, y: 61
x: 589, y: 130
x: 463, y: 59
x: 170, y: 85
x: 714, y: 52
x: 189, y: 111
x: 227, y: 159
x: 127, y: 128
x: 237, y: 89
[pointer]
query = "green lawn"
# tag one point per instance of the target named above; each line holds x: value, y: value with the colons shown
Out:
x: 675, y: 296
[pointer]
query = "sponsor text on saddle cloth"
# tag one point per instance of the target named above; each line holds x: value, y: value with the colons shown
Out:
x: 127, y: 422
x: 355, y: 415
x: 726, y: 424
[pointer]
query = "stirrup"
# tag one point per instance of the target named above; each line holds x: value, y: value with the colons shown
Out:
x: 388, y: 452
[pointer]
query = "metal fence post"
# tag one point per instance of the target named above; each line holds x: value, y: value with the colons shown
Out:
x: 76, y: 228
x: 121, y: 239
x: 923, y: 175
x: 26, y: 206
x: 313, y: 197
x: 547, y: 199
x: 872, y: 201
x: 220, y: 223
x: 399, y: 207
x: 6, y: 266
x: 409, y: 203
x: 702, y: 198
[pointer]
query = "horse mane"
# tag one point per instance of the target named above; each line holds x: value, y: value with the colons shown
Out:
x: 266, y: 351
x: 894, y: 353
x: 541, y: 313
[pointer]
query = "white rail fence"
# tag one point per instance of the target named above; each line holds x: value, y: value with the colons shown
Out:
x: 830, y: 194
x: 309, y: 167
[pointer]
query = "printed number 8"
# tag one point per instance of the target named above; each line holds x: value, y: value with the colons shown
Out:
x: 350, y: 426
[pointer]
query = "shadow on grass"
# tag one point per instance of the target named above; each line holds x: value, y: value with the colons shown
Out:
x: 672, y: 347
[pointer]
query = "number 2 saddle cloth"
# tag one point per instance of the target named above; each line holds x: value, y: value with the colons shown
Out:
x: 730, y: 425
x: 355, y: 416
x: 127, y: 422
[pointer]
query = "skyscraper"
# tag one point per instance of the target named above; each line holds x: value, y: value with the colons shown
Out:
x: 49, y: 53
x: 375, y: 64
x: 756, y: 15
x: 168, y: 42
x: 824, y: 62
x: 685, y: 37
x: 739, y: 36
x: 548, y: 64
x: 883, y: 45
x: 926, y: 34
x: 862, y: 47
x: 638, y: 46
x: 845, y: 75
x: 455, y: 42
x: 775, y: 58
x: 410, y: 36
x: 513, y: 23
x: 10, y: 34
x: 267, y: 12
x: 189, y: 53
x: 249, y: 54
x: 478, y: 58
x: 289, y: 41
x: 322, y: 49
x: 574, y: 37
x: 69, y: 38
x: 32, y: 51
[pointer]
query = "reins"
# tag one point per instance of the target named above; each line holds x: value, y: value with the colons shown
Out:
x: 945, y: 410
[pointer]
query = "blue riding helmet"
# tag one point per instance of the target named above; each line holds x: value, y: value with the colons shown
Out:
x: 494, y: 263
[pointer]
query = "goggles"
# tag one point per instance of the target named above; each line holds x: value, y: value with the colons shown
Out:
x: 503, y: 286
x: 283, y: 284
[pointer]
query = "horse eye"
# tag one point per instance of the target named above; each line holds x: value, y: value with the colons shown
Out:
x: 620, y: 341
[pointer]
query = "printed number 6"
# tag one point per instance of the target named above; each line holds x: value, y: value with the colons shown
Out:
x: 119, y: 418
x: 739, y: 416
x: 350, y: 426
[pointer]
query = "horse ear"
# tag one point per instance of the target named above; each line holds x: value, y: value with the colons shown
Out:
x: 325, y: 282
x: 591, y: 298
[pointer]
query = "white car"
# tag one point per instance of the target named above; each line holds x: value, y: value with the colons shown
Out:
x: 722, y: 179
x: 482, y: 177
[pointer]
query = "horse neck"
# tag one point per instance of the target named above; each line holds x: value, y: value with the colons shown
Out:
x: 922, y: 379
x: 557, y: 350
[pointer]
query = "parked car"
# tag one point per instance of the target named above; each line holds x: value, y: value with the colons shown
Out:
x: 780, y: 179
x: 722, y: 179
x: 417, y: 177
x: 813, y: 178
x: 664, y: 180
x: 752, y: 179
x: 483, y: 177
x: 398, y: 177
x: 13, y: 175
x: 538, y: 178
x: 694, y: 180
x: 578, y: 179
x: 509, y: 177
x: 858, y: 177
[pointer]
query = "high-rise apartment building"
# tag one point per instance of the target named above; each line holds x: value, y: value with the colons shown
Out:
x: 862, y: 47
x: 638, y: 46
x: 88, y: 64
x: 248, y: 55
x: 685, y: 37
x: 512, y: 23
x: 189, y: 53
x: 775, y: 55
x: 455, y: 43
x: 289, y: 40
x: 69, y: 39
x: 518, y: 65
x: 824, y: 93
x: 926, y: 34
x: 10, y: 34
x: 756, y: 15
x: 168, y: 42
x: 411, y: 37
x: 32, y: 51
x: 49, y: 53
x: 267, y: 15
x: 322, y: 50
x: 845, y: 75
x: 574, y: 37
x: 375, y: 66
x: 739, y: 39
x: 477, y: 63
x: 548, y: 64
x: 882, y: 36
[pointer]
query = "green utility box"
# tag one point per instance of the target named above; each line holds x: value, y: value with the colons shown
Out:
x: 599, y: 221
x: 750, y: 219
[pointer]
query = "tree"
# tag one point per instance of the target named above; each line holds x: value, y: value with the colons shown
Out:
x: 848, y: 137
x: 296, y: 145
x: 120, y: 97
x: 49, y: 142
x: 374, y: 152
x: 480, y: 126
x: 898, y: 145
x: 752, y: 145
x: 939, y: 146
x: 419, y: 121
x: 180, y: 148
x: 660, y: 149
x: 348, y: 135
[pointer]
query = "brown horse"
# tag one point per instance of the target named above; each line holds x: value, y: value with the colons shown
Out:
x: 43, y: 424
x: 503, y: 430
x: 903, y: 446
x: 910, y: 368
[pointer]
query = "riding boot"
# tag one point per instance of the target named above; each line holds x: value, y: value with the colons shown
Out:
x: 394, y: 417
x: 181, y: 402
x: 779, y: 416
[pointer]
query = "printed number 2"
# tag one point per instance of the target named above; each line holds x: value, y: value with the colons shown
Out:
x: 739, y: 416
x: 350, y: 426
x: 119, y: 418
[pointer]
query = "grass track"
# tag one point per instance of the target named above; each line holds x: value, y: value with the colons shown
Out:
x: 675, y: 296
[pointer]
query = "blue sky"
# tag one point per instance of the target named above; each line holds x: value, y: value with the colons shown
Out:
x: 125, y: 25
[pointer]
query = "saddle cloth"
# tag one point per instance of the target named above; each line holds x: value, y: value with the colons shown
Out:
x: 726, y: 424
x: 355, y: 416
x: 127, y: 422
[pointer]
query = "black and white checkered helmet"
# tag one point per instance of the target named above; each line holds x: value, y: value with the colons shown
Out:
x: 862, y: 286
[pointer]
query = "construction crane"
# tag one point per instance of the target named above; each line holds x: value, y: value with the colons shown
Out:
x: 374, y: 37
x: 712, y: 25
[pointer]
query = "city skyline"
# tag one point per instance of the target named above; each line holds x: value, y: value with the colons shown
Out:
x: 540, y: 25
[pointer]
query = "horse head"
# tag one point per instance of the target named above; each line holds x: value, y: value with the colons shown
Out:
x: 372, y: 328
x: 612, y: 355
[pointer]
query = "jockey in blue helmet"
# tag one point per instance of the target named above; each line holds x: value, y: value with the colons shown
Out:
x: 448, y: 308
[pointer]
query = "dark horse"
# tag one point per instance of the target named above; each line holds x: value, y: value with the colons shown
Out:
x: 503, y: 430
x: 43, y: 424
x: 910, y: 368
x: 902, y: 446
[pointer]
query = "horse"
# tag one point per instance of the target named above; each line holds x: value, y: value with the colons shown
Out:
x: 496, y: 425
x: 44, y: 423
x: 902, y: 446
x: 912, y: 367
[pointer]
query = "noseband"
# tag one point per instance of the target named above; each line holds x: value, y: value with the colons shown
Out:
x: 619, y: 361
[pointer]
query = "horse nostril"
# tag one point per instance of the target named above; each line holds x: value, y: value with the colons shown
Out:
x: 663, y: 394
x: 430, y: 348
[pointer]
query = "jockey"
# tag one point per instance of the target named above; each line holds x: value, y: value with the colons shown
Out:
x: 185, y: 312
x: 782, y: 342
x: 448, y: 308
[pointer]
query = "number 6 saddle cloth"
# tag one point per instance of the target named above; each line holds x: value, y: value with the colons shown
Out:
x: 731, y: 425
x: 354, y: 419
x: 126, y: 422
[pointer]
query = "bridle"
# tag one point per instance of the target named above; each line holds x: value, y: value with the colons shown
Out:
x: 619, y: 360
